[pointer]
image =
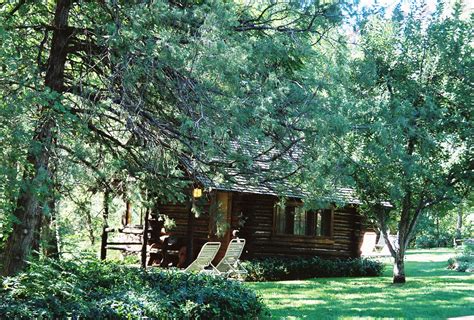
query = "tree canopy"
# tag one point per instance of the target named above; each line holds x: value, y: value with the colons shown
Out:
x: 407, y: 145
x: 104, y: 91
x: 99, y: 96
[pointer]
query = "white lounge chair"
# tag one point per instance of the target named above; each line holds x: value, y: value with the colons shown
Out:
x: 380, y: 243
x: 230, y: 264
x: 394, y: 240
x: 368, y: 244
x: 204, y: 259
x: 385, y: 251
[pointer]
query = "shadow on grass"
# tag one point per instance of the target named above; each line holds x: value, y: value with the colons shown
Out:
x: 431, y: 291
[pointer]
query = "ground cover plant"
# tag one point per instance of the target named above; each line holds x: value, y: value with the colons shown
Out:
x: 275, y: 269
x: 433, y: 292
x: 98, y: 290
x: 464, y: 260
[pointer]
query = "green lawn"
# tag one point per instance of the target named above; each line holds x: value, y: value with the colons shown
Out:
x: 431, y: 292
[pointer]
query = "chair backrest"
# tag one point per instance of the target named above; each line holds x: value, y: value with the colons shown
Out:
x: 368, y: 243
x: 393, y: 241
x: 381, y: 242
x: 232, y: 255
x: 206, y: 255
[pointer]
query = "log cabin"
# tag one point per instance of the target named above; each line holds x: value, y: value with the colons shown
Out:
x: 273, y: 226
x: 269, y: 215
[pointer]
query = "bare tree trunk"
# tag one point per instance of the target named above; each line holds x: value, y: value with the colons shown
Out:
x: 190, y: 233
x: 57, y: 232
x: 105, y: 216
x: 48, y: 232
x: 145, y: 239
x: 399, y: 266
x: 89, y: 223
x: 437, y: 232
x: 459, y: 223
x: 25, y: 234
x: 35, y: 245
x: 28, y: 210
x: 49, y: 239
x: 397, y: 250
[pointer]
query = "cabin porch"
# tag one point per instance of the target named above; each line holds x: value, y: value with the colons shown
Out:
x: 335, y: 232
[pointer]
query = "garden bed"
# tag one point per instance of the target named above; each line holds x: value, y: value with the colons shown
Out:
x: 98, y: 290
x: 275, y: 269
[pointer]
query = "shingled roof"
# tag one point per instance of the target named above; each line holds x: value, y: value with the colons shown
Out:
x: 255, y: 178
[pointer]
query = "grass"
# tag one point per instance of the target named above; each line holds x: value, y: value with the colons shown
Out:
x: 431, y: 292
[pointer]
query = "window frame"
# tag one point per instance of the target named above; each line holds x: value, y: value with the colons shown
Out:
x: 295, y: 203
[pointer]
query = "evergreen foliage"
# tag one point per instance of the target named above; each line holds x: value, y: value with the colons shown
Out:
x: 101, y: 102
x: 99, y: 290
x: 108, y: 94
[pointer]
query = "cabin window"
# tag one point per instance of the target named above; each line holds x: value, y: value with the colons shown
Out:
x: 293, y: 219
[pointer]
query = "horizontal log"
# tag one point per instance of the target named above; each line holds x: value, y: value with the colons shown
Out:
x: 123, y: 248
x: 131, y: 231
x: 259, y: 212
x: 309, y: 241
x: 124, y: 243
x: 298, y: 252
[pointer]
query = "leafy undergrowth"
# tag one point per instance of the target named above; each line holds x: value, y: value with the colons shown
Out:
x: 431, y: 292
x: 276, y: 269
x: 464, y: 261
x: 97, y: 290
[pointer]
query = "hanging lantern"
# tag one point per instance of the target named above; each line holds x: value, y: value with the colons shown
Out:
x: 197, y: 193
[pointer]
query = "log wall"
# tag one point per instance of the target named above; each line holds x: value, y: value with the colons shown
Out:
x: 252, y: 215
x: 179, y: 213
x: 257, y: 213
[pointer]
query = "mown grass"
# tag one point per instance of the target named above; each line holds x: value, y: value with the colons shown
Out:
x: 431, y: 292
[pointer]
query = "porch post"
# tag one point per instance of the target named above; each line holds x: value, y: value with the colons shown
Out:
x: 105, y: 216
x: 145, y: 238
x: 190, y: 232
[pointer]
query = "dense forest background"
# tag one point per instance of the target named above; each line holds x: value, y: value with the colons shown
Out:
x: 101, y: 103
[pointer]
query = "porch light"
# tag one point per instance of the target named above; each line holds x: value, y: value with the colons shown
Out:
x: 197, y: 193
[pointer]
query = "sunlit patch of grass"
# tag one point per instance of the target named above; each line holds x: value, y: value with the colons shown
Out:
x: 431, y: 291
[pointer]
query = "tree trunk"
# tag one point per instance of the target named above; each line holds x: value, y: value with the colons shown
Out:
x: 35, y: 245
x: 190, y: 234
x: 459, y: 223
x: 89, y: 223
x: 399, y: 268
x: 29, y: 204
x: 397, y: 250
x: 28, y: 212
x: 145, y: 238
x: 437, y: 232
x: 49, y: 241
x: 105, y: 216
x: 57, y: 232
x: 48, y: 232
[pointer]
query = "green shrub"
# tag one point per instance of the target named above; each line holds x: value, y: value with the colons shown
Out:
x: 432, y: 241
x: 463, y: 266
x: 464, y: 262
x: 468, y: 247
x: 275, y: 269
x: 105, y: 290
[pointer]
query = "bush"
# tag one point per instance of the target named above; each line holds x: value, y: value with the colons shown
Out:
x: 464, y: 262
x: 274, y: 269
x: 468, y: 247
x: 431, y: 241
x: 105, y: 290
